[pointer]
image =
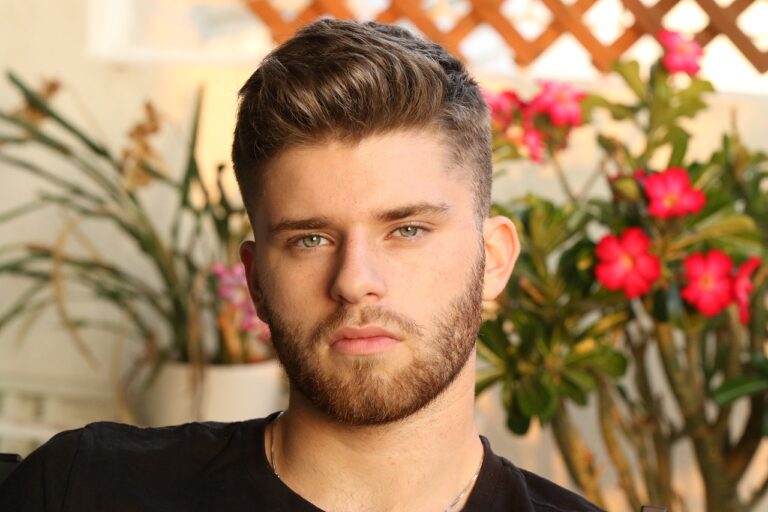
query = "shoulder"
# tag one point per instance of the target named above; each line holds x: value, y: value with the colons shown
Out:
x: 507, y: 487
x: 64, y: 469
x: 40, y: 481
x: 106, y: 441
x: 548, y: 496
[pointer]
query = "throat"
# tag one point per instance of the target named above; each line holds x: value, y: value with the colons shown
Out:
x: 391, y: 478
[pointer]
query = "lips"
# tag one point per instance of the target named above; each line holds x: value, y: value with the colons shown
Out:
x: 366, y: 340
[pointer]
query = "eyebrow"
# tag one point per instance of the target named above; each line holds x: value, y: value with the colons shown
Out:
x: 412, y: 210
x: 394, y: 214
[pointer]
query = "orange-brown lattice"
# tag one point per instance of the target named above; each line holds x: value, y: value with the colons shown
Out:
x: 566, y: 19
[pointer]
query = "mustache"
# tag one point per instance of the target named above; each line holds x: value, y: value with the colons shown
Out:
x: 364, y: 316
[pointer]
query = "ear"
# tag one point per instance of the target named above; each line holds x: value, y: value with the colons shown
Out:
x: 248, y: 257
x: 502, y: 248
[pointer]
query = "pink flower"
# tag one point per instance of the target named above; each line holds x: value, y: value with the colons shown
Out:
x: 534, y: 142
x: 561, y: 102
x: 232, y: 284
x: 742, y: 286
x: 233, y: 288
x: 671, y: 195
x: 681, y: 54
x: 709, y: 288
x: 626, y: 264
x: 252, y: 323
x: 502, y: 106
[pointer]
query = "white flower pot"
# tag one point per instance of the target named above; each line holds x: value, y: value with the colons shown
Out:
x: 222, y: 393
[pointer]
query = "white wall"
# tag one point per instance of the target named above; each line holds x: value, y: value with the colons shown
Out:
x: 40, y: 38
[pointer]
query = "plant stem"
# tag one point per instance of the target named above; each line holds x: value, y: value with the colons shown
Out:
x: 561, y: 177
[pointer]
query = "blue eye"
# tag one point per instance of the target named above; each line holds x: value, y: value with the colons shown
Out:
x: 310, y: 241
x: 409, y: 231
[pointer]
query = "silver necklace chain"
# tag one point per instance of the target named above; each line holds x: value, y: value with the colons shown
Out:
x: 449, y: 508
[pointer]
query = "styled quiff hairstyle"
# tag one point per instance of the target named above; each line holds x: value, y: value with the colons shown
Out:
x: 344, y: 81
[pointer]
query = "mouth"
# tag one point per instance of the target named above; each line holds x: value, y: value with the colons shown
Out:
x: 362, y: 341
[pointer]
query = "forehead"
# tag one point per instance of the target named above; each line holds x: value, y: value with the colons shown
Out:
x: 379, y: 172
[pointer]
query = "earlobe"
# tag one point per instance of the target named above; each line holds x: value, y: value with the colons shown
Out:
x: 247, y: 256
x: 502, y: 248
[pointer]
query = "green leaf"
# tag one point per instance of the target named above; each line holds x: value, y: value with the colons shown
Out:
x: 740, y: 387
x: 688, y: 107
x: 534, y: 397
x: 760, y: 362
x: 765, y: 422
x: 605, y: 324
x: 191, y: 170
x: 517, y: 423
x: 23, y: 304
x: 678, y: 138
x: 29, y: 207
x: 611, y: 363
x: 618, y: 111
x: 487, y: 377
x: 629, y: 70
x: 584, y: 380
x: 36, y: 101
x: 696, y: 88
x: 717, y: 227
x: 494, y: 338
x: 603, y: 359
x: 575, y: 267
x: 628, y: 188
x: 568, y: 388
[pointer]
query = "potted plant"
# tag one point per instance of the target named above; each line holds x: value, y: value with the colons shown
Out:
x: 190, y: 310
x: 648, y: 300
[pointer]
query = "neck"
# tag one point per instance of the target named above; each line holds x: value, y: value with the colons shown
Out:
x: 384, y: 467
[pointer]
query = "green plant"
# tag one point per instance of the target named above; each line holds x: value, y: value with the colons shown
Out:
x: 665, y: 272
x: 189, y: 294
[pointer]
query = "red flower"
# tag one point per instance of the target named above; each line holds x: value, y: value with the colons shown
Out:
x: 709, y: 287
x: 681, y: 54
x: 502, y: 106
x: 561, y: 102
x: 742, y: 287
x: 671, y: 195
x: 625, y: 263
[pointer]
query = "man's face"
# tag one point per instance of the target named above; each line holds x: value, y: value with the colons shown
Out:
x: 368, y: 266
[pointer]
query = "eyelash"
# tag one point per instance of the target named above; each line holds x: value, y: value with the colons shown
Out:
x: 421, y: 230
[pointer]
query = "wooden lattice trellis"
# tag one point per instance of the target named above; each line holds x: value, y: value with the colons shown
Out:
x: 566, y: 18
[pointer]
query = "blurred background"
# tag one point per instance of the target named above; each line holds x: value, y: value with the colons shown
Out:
x: 99, y: 62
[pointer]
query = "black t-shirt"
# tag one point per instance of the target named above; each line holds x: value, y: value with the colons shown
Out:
x: 212, y: 467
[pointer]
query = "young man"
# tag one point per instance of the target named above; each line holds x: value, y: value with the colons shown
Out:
x: 363, y: 157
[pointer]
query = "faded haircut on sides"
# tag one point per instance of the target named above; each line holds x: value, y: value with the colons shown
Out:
x: 344, y: 81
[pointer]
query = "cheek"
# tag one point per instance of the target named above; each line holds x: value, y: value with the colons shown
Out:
x: 430, y: 282
x: 291, y: 289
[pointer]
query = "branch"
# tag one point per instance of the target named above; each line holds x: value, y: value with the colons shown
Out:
x: 578, y: 458
x: 739, y: 457
x: 659, y: 479
x: 708, y: 451
x: 608, y: 416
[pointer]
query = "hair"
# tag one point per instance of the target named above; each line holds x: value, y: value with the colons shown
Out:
x: 344, y: 81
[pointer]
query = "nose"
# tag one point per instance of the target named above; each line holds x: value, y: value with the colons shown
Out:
x: 358, y: 277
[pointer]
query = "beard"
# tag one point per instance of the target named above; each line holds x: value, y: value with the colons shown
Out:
x: 360, y: 392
